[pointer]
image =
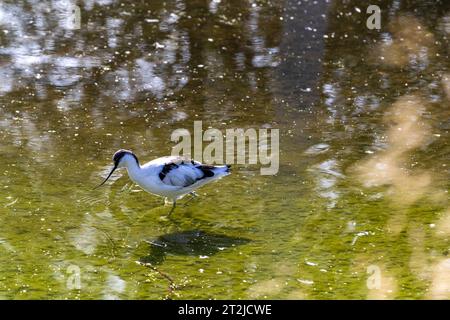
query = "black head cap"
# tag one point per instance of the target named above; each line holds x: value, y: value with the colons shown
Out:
x: 116, y: 158
x: 121, y: 153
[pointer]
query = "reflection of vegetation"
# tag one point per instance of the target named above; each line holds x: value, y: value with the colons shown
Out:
x: 383, y: 97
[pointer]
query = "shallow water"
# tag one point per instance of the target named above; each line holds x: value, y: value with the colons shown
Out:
x: 359, y: 208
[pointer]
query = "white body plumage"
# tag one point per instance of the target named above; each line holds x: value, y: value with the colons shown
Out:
x: 183, y: 178
x: 171, y: 177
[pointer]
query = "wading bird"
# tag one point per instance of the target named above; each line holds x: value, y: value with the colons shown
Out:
x: 171, y: 177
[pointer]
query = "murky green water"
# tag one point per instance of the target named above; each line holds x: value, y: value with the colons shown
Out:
x: 359, y: 208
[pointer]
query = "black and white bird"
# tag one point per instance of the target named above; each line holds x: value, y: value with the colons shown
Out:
x: 171, y: 177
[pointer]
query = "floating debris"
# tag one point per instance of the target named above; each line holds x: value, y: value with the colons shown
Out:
x: 11, y: 203
x: 307, y: 282
x: 359, y: 234
x: 318, y: 148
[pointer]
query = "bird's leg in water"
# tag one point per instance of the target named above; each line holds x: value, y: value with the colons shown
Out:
x: 173, y: 208
x: 193, y: 196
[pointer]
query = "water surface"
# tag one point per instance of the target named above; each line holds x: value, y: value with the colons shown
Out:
x: 364, y: 123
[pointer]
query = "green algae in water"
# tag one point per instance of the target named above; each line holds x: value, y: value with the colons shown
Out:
x: 321, y: 228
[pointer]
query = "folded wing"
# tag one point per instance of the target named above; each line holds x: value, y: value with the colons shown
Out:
x: 182, y: 172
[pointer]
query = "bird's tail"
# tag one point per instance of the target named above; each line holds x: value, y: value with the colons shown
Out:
x: 216, y: 171
x: 226, y: 169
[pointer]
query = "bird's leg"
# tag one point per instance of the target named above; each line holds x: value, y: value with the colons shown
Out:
x: 193, y: 196
x: 173, y: 208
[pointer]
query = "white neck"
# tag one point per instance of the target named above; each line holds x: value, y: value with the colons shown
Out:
x: 132, y: 166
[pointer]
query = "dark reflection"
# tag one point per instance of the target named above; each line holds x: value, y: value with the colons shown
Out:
x: 189, y: 243
x: 302, y: 51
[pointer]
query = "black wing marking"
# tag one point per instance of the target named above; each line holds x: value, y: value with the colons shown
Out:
x: 183, y: 172
x: 166, y: 169
x: 207, y: 171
